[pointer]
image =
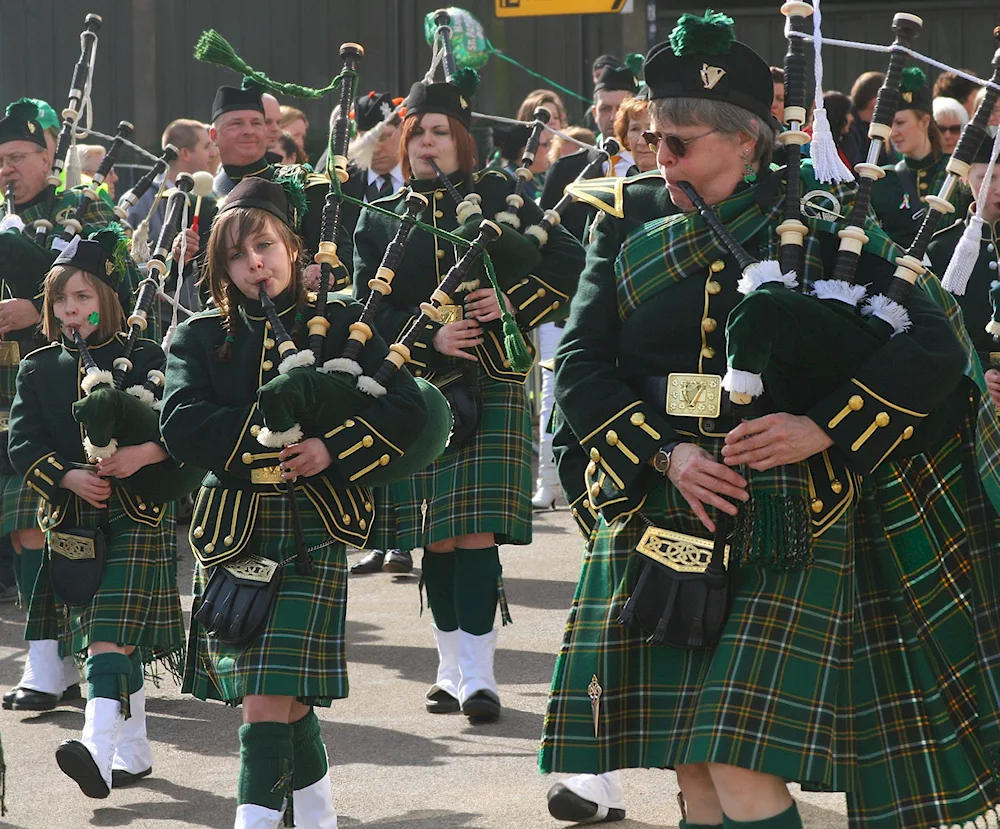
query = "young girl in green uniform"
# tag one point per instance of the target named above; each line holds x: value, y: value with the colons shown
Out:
x: 133, y: 614
x: 243, y: 521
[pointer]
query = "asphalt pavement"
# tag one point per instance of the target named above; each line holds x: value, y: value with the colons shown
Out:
x: 393, y: 765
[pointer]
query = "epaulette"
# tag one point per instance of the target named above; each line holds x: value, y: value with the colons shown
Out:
x: 490, y: 173
x: 958, y: 223
x: 606, y: 194
x: 207, y: 314
x: 332, y: 298
x: 316, y: 179
x: 39, y: 350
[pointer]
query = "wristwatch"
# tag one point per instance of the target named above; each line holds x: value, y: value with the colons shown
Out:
x: 661, y: 460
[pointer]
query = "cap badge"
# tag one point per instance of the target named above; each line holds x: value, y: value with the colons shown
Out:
x: 386, y: 110
x: 711, y: 75
x: 463, y: 102
x: 907, y: 96
x: 109, y: 267
x: 31, y: 127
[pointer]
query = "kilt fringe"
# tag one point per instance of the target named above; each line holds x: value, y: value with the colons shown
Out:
x: 157, y: 660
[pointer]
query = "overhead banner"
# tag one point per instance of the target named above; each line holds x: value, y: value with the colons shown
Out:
x: 539, y: 8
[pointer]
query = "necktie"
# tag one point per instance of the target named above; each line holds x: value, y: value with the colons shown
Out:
x: 382, y: 186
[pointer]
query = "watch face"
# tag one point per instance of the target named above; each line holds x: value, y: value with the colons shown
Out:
x: 661, y: 461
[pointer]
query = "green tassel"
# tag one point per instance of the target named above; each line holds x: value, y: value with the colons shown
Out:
x: 214, y: 48
x: 634, y: 61
x: 513, y: 342
x: 912, y: 79
x: 711, y: 34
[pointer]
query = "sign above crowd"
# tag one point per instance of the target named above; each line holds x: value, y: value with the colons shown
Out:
x: 538, y: 8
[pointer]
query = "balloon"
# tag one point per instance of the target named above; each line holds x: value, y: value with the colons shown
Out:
x: 468, y: 40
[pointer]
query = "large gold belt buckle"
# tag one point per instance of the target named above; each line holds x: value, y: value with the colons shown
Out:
x: 694, y: 395
x: 995, y: 359
x: 266, y: 475
x: 10, y: 353
x: 450, y: 313
x: 252, y: 568
x: 73, y: 547
x: 680, y: 552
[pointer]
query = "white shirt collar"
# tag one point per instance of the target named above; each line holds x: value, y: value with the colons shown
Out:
x: 396, y: 174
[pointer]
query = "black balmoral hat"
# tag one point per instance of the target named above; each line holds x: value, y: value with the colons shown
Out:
x: 231, y: 98
x: 22, y: 124
x: 372, y: 109
x: 254, y: 191
x: 454, y: 98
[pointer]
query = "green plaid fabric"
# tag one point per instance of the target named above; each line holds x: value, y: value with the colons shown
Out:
x: 18, y: 505
x: 301, y: 651
x: 668, y: 249
x: 137, y: 603
x: 384, y: 531
x: 839, y: 676
x: 484, y: 487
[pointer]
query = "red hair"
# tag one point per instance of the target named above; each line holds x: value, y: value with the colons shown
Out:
x: 465, y: 144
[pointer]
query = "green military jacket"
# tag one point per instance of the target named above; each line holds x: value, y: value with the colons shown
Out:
x: 977, y: 309
x: 45, y: 440
x: 211, y: 418
x: 538, y: 296
x: 632, y: 326
x: 316, y: 186
x: 899, y: 214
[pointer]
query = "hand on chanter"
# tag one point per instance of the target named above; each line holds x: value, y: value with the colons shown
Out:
x: 451, y: 339
x: 774, y: 440
x: 304, y: 459
x: 482, y: 306
x: 130, y: 459
x: 704, y: 481
x: 89, y: 486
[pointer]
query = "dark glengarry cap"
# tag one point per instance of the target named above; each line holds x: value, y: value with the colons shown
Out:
x: 231, y: 98
x: 254, y: 191
x: 914, y: 93
x: 703, y: 59
x: 453, y: 98
x: 372, y: 109
x: 613, y: 78
x: 23, y: 123
x: 105, y: 255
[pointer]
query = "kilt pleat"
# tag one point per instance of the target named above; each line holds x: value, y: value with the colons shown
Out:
x: 137, y: 602
x: 838, y: 676
x: 301, y: 651
x: 485, y: 486
x: 18, y: 505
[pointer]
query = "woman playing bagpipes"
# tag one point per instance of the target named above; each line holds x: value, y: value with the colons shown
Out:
x: 477, y: 495
x: 108, y: 571
x: 829, y: 636
x: 268, y: 633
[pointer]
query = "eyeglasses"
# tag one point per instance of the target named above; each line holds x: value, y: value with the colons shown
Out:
x: 953, y: 129
x: 16, y: 159
x: 676, y: 144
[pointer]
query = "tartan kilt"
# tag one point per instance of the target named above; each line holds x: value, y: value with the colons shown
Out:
x: 837, y: 676
x: 301, y: 651
x: 384, y: 531
x: 137, y: 602
x: 483, y: 487
x: 18, y: 505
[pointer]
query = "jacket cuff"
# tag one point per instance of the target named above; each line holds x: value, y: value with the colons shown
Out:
x: 424, y: 360
x: 535, y: 300
x: 865, y: 426
x: 45, y: 474
x: 250, y: 459
x: 358, y: 449
x: 493, y: 356
x: 618, y: 451
x: 583, y: 515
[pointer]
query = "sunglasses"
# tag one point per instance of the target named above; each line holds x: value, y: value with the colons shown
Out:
x: 954, y: 129
x: 676, y: 144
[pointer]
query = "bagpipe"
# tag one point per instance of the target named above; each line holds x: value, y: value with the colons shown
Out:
x: 111, y: 414
x: 79, y: 97
x: 131, y: 197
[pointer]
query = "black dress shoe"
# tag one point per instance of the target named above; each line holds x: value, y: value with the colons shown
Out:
x: 482, y: 707
x: 565, y: 804
x: 27, y: 700
x: 439, y: 701
x: 371, y: 563
x: 121, y: 778
x: 77, y: 762
x: 398, y: 561
x: 70, y: 694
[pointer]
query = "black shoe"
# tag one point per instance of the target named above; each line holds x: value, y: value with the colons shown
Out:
x: 69, y: 695
x: 121, y: 778
x: 371, y: 563
x: 27, y: 700
x: 77, y: 762
x: 439, y: 701
x: 398, y: 561
x: 482, y: 707
x: 565, y: 804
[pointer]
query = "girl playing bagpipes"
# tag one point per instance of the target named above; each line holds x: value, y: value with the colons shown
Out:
x: 109, y: 550
x: 477, y: 495
x: 265, y: 633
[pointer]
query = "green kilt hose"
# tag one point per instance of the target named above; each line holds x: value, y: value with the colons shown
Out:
x: 301, y: 650
x: 483, y: 487
x: 137, y: 602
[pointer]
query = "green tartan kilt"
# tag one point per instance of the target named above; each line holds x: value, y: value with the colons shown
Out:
x: 18, y: 505
x: 838, y: 676
x: 384, y: 533
x: 137, y: 602
x: 301, y: 652
x: 483, y: 487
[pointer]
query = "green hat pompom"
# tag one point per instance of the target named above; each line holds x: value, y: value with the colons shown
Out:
x: 115, y: 244
x: 291, y: 181
x: 711, y: 34
x: 634, y: 61
x: 34, y: 109
x: 913, y: 78
x: 467, y: 82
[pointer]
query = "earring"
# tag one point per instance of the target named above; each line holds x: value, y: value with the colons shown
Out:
x: 749, y: 173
